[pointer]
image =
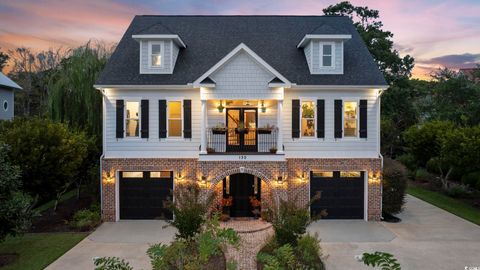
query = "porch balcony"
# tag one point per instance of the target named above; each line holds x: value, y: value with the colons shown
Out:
x: 246, y: 127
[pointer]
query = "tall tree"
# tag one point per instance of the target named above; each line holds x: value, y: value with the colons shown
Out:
x: 72, y: 98
x: 379, y: 42
x: 3, y: 60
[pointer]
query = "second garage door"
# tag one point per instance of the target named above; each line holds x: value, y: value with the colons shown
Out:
x: 342, y: 194
x: 143, y: 195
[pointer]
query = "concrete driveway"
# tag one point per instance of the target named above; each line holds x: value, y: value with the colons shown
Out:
x: 427, y: 238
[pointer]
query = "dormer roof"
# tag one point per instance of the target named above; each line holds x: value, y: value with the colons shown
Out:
x: 210, y: 38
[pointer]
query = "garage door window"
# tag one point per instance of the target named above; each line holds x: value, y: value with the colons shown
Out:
x: 322, y: 174
x: 350, y: 174
x: 132, y: 174
x: 161, y: 174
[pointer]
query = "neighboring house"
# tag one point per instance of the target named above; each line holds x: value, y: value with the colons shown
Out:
x: 249, y: 106
x: 7, y: 88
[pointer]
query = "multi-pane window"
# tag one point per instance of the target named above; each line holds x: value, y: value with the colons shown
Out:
x: 308, y: 119
x: 327, y: 55
x: 174, y: 119
x: 156, y: 54
x: 350, y: 117
x: 132, y: 119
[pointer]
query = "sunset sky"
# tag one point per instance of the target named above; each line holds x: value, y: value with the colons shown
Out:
x: 435, y: 32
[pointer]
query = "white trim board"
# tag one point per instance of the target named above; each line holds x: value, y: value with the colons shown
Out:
x: 245, y: 48
x: 309, y: 37
x: 175, y: 38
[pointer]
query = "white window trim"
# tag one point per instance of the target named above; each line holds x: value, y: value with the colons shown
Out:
x: 320, y: 48
x: 162, y: 54
x: 139, y: 137
x: 314, y: 100
x: 173, y: 138
x: 357, y: 118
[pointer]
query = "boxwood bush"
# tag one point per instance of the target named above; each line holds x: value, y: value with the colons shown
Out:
x: 394, y: 186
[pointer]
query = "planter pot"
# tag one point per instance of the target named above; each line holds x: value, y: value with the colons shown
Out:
x: 264, y: 131
x: 241, y: 130
x: 219, y: 131
x: 273, y: 151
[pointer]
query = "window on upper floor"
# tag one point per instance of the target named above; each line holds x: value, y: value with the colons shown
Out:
x: 308, y: 119
x: 174, y: 119
x: 326, y: 54
x: 350, y: 118
x: 132, y: 122
x: 156, y: 53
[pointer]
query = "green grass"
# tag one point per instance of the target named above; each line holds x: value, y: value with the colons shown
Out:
x: 37, y: 250
x: 449, y: 204
x: 51, y: 203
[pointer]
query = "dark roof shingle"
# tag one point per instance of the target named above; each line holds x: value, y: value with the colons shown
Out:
x: 210, y: 38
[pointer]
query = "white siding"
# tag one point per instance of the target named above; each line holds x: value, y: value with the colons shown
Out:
x: 169, y: 57
x: 312, y: 55
x: 6, y: 96
x: 152, y: 147
x: 329, y: 146
x: 242, y: 77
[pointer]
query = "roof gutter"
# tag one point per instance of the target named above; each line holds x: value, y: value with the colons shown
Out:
x: 143, y: 87
x: 340, y: 87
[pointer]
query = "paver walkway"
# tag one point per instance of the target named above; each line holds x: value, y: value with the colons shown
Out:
x: 253, y: 235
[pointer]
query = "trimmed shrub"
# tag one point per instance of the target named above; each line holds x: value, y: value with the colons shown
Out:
x: 423, y: 175
x: 189, y: 209
x: 394, y: 186
x: 472, y: 180
x: 457, y: 191
x: 86, y: 219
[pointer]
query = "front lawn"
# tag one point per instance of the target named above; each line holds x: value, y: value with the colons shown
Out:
x: 449, y: 204
x: 37, y: 250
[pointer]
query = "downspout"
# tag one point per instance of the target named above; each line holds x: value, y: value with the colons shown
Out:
x: 102, y: 91
x: 379, y: 97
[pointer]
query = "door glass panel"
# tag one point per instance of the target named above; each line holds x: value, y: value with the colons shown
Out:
x: 232, y: 123
x: 249, y: 117
x: 132, y: 174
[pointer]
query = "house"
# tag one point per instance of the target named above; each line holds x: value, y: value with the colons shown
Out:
x: 247, y: 106
x: 7, y: 87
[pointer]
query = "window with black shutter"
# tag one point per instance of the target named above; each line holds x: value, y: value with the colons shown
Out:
x: 338, y: 118
x: 119, y: 121
x: 145, y: 118
x: 363, y: 118
x: 162, y: 118
x: 187, y: 118
x: 320, y: 118
x: 295, y: 118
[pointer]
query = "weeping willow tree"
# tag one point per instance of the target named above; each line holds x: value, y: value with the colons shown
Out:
x: 72, y: 98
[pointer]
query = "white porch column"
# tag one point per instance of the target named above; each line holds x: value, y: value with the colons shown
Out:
x: 280, y: 126
x: 203, y: 128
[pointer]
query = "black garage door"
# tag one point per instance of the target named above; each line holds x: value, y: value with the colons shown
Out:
x: 342, y: 194
x: 142, y: 195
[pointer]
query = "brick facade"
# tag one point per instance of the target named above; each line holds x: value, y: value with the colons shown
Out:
x: 268, y: 171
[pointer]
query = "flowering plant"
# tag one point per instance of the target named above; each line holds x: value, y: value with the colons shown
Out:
x: 255, y: 202
x: 227, y: 201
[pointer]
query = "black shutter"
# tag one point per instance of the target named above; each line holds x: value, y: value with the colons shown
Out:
x: 320, y: 118
x: 120, y: 120
x: 162, y: 118
x: 187, y: 118
x: 338, y: 118
x: 363, y: 118
x: 145, y: 117
x: 295, y: 118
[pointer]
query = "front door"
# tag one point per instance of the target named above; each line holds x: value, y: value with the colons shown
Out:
x: 241, y: 188
x: 242, y: 130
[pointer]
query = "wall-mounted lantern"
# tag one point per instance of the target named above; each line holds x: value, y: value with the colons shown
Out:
x: 220, y: 107
x: 304, y: 177
x: 263, y: 109
x: 179, y: 177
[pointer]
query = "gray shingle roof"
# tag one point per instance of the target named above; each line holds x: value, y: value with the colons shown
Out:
x: 210, y: 38
x: 5, y: 82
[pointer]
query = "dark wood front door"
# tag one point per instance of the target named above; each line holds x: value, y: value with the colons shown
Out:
x: 241, y: 188
x: 242, y: 130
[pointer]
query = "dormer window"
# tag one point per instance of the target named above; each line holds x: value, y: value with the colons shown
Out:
x: 156, y: 50
x: 326, y: 54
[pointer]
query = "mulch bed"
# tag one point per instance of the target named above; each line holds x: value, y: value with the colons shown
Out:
x: 7, y: 258
x: 50, y: 221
